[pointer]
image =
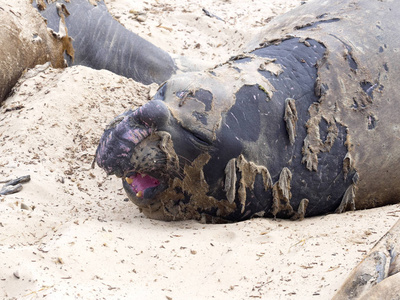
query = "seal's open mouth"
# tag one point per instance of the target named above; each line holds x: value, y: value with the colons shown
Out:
x: 135, y: 149
x: 142, y: 185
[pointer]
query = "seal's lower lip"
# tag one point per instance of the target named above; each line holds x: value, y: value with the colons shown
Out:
x: 143, y: 185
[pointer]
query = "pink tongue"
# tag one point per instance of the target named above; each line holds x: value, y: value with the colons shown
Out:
x: 140, y: 183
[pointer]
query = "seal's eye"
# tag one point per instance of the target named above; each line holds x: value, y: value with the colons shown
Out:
x: 200, y: 140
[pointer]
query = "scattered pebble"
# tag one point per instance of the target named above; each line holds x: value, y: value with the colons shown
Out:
x: 16, y: 274
x: 11, y: 189
x: 24, y: 206
x: 14, y: 185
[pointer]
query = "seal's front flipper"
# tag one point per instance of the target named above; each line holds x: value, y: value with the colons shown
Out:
x: 389, y: 288
x: 378, y: 275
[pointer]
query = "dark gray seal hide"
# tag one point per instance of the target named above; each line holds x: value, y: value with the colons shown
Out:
x: 100, y: 42
x: 304, y: 124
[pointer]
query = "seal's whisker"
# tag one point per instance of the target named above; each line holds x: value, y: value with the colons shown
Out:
x: 184, y: 159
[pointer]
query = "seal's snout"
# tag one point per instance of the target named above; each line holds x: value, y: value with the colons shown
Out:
x: 153, y: 114
x: 118, y: 141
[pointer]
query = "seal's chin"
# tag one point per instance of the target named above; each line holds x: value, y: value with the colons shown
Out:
x: 142, y: 188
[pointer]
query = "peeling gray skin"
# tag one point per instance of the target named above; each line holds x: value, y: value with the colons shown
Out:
x: 304, y: 125
x: 216, y: 123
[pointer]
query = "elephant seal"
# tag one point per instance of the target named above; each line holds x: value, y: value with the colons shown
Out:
x: 99, y: 41
x: 76, y: 32
x: 25, y: 42
x: 304, y: 124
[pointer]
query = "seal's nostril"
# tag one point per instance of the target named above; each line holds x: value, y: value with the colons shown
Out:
x: 118, y: 173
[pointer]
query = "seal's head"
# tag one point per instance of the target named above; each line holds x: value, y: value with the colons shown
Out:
x: 160, y: 149
x: 129, y: 149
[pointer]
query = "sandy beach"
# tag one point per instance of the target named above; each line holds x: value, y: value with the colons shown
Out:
x: 71, y: 234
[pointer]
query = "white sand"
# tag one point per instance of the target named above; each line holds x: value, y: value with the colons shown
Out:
x: 80, y: 240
